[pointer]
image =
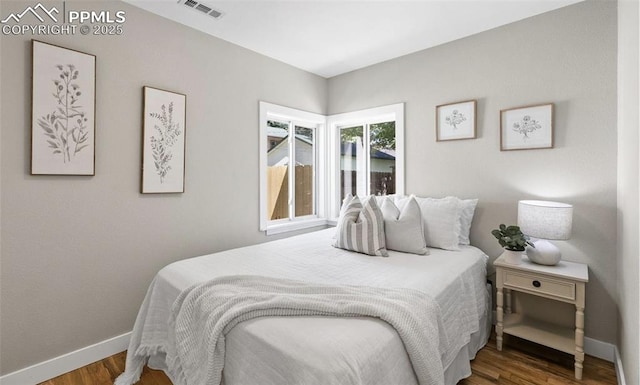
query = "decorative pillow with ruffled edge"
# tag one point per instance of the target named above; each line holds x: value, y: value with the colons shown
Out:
x: 403, y: 229
x: 361, y: 227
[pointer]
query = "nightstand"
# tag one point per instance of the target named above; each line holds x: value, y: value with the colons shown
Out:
x: 563, y: 282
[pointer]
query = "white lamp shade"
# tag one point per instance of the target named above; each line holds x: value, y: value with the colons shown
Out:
x: 546, y: 220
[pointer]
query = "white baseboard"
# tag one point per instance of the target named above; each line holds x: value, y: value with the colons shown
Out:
x: 599, y: 349
x: 71, y: 361
x: 619, y: 370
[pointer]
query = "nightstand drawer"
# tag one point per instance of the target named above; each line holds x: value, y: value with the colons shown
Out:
x: 536, y: 284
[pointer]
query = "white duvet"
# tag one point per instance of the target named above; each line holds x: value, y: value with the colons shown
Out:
x: 322, y: 350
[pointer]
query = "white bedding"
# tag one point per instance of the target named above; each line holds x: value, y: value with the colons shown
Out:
x: 326, y: 350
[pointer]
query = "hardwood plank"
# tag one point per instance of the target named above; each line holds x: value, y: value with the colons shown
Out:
x: 519, y: 363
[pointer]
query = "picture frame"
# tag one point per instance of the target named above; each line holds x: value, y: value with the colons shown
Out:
x: 456, y: 121
x: 527, y: 127
x: 163, y: 141
x: 63, y: 110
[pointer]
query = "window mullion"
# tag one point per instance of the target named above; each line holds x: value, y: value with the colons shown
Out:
x: 367, y: 158
x: 314, y: 177
x: 292, y: 170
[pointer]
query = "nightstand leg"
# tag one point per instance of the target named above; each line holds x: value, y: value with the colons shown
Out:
x: 499, y: 315
x: 507, y: 300
x: 579, y: 341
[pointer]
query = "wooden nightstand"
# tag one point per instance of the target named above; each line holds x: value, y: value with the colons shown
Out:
x: 563, y: 282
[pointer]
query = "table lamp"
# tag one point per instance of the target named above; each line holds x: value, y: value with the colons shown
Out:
x: 541, y: 221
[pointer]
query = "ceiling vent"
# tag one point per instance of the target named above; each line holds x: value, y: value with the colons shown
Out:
x: 202, y: 8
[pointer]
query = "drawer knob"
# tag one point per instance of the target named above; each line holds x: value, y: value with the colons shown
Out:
x: 536, y: 284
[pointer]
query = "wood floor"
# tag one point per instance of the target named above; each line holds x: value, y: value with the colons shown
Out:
x: 520, y: 362
x: 523, y: 362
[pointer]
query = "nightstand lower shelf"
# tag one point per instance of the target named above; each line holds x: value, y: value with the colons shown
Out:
x: 551, y: 335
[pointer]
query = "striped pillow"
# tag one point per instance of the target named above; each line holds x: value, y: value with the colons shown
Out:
x: 361, y: 227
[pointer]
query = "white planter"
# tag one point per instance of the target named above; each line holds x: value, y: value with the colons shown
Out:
x: 513, y: 257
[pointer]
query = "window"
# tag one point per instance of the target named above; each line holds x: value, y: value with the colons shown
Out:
x: 306, y: 169
x: 289, y: 160
x: 368, y: 157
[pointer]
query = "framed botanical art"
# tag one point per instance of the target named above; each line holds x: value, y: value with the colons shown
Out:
x: 62, y: 111
x: 163, y: 141
x: 456, y: 121
x: 524, y: 128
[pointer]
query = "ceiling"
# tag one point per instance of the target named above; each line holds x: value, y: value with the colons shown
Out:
x: 330, y: 37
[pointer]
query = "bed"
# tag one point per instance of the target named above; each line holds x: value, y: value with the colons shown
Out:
x: 322, y: 349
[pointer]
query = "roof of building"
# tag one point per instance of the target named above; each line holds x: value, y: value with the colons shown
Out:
x: 345, y: 148
x: 350, y: 149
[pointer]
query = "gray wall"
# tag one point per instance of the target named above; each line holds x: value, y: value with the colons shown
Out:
x: 628, y: 150
x: 567, y: 57
x: 79, y: 252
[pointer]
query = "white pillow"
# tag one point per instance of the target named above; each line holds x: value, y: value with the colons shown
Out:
x: 403, y: 229
x: 379, y: 198
x: 441, y: 221
x: 361, y: 227
x: 468, y: 208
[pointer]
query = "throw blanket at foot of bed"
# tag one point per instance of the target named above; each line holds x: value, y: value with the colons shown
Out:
x: 203, y: 314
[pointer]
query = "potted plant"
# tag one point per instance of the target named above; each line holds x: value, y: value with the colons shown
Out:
x: 513, y: 241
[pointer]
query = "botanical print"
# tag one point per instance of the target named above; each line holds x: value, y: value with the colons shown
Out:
x: 163, y: 152
x: 62, y: 111
x: 167, y: 136
x: 66, y: 126
x: 455, y: 119
x: 526, y: 126
x: 529, y: 127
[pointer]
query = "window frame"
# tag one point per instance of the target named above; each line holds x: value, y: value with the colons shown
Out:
x: 299, y: 118
x: 327, y: 158
x: 365, y: 118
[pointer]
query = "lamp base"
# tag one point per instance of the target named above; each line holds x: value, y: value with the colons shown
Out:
x: 544, y: 253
